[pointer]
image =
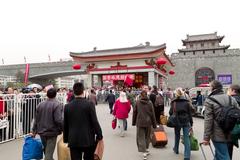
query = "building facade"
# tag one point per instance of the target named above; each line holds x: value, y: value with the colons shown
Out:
x: 202, y: 60
x: 6, y: 79
x: 113, y: 66
x: 68, y: 81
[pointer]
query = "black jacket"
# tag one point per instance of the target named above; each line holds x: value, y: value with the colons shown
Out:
x: 152, y: 97
x: 110, y: 98
x: 183, y: 110
x: 81, y: 126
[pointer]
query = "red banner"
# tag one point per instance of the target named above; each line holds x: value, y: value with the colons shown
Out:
x: 112, y: 77
x: 128, y: 81
x: 26, y: 74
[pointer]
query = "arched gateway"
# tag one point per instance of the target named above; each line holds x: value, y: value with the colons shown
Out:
x: 204, y: 76
x: 114, y: 65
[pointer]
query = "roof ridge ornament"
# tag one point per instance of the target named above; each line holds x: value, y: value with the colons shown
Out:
x: 147, y: 44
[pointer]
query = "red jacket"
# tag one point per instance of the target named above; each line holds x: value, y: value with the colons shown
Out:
x: 121, y: 110
x: 1, y: 106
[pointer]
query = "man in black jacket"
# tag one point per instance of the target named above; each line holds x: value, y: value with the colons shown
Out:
x: 81, y: 126
x: 111, y: 100
x: 158, y: 103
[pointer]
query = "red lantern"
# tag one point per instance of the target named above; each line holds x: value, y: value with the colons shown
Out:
x: 171, y: 72
x: 76, y: 66
x: 161, y: 61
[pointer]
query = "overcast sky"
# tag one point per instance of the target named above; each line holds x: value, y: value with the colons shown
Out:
x: 38, y: 28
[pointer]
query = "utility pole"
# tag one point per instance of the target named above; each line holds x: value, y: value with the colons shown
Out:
x: 49, y: 58
x: 25, y: 60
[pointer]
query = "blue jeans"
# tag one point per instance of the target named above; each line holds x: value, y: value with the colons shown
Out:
x: 187, y: 149
x: 221, y: 151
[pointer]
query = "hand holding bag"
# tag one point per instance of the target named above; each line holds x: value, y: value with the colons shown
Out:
x: 98, y: 154
x: 193, y: 143
x: 32, y: 148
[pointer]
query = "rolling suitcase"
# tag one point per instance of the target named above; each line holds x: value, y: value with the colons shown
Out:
x: 203, y: 153
x: 159, y: 137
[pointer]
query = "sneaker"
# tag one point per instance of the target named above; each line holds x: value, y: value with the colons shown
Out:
x: 147, y: 152
x: 144, y: 156
x: 176, y: 152
x: 122, y: 134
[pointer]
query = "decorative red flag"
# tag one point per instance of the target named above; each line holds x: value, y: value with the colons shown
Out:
x: 128, y: 81
x: 26, y: 74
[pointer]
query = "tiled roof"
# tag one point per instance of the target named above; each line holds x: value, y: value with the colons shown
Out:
x: 119, y: 51
x: 201, y: 37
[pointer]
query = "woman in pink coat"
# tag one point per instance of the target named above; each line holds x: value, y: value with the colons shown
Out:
x: 121, y: 109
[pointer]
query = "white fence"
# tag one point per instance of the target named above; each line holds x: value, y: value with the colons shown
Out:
x: 17, y: 113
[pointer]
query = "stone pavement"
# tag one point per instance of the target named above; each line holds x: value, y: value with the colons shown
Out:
x: 122, y: 148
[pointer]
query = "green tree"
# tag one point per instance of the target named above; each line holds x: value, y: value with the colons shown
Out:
x: 19, y: 76
x: 10, y: 84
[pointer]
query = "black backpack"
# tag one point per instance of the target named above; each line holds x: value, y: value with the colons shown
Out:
x: 227, y: 117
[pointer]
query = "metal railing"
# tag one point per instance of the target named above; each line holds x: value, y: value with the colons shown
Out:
x: 17, y: 113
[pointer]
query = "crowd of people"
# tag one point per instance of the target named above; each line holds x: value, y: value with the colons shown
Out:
x: 78, y: 121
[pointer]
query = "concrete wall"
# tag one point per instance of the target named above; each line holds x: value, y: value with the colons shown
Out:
x: 37, y: 68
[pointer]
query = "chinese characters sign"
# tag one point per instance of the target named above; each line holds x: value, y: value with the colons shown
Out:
x: 112, y: 77
x: 225, y: 78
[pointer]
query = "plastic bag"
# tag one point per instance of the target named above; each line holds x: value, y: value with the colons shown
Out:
x: 32, y: 148
x: 193, y: 142
x: 114, y: 123
x: 63, y: 151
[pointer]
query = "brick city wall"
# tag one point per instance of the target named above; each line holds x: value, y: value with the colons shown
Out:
x: 220, y: 62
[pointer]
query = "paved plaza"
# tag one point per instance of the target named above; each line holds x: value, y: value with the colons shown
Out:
x: 122, y: 148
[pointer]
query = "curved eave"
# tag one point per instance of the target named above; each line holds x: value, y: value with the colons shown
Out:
x: 203, y: 49
x: 96, y: 58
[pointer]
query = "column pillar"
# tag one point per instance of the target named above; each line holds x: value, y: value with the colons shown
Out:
x: 157, y: 80
x: 100, y: 82
x: 151, y: 78
x: 90, y: 81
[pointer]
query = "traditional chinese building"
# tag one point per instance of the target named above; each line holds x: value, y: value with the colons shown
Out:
x: 138, y: 63
x: 203, y: 59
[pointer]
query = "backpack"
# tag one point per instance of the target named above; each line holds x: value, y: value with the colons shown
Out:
x: 159, y: 101
x: 227, y: 117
